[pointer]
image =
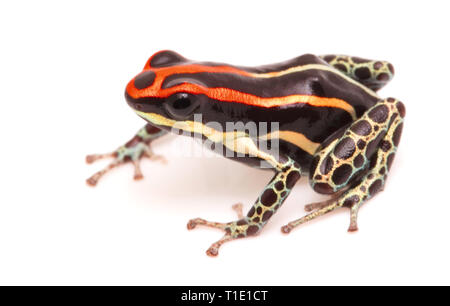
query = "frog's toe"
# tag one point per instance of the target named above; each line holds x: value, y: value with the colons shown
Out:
x: 213, y: 250
x: 94, y: 157
x: 233, y: 230
x: 317, y: 205
x: 156, y: 157
x: 93, y: 180
x: 198, y: 221
x: 321, y: 209
x: 353, y: 218
x: 137, y: 171
x: 238, y: 209
x: 322, y: 204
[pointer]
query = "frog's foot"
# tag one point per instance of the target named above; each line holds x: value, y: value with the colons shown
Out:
x: 353, y: 199
x: 350, y: 200
x: 124, y: 154
x: 233, y: 230
x: 132, y: 152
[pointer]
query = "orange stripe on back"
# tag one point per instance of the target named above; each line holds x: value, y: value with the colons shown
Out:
x: 227, y: 94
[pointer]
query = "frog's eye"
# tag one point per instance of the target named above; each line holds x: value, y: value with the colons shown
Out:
x: 181, y: 105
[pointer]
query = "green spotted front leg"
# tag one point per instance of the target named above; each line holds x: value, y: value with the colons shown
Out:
x: 354, y: 166
x: 372, y: 73
x: 288, y: 173
x: 133, y: 151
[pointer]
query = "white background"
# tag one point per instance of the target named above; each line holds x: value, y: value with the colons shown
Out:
x: 63, y: 70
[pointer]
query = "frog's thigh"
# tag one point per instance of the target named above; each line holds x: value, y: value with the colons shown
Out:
x: 378, y: 133
x: 372, y: 73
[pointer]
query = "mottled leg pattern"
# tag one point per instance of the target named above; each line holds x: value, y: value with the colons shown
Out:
x: 132, y: 151
x: 361, y: 158
x: 288, y: 173
x: 373, y: 74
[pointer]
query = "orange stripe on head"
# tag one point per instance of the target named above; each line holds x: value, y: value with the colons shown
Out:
x: 161, y: 73
x: 227, y: 94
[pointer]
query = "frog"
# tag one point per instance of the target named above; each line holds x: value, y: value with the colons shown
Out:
x: 331, y: 126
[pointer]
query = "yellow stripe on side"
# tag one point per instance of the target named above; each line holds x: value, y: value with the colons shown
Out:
x: 297, y: 139
x: 236, y: 141
x: 318, y: 67
x: 193, y: 127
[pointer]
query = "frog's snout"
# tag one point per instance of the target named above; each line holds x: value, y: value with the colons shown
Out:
x: 135, y: 92
x: 133, y: 103
x: 145, y: 104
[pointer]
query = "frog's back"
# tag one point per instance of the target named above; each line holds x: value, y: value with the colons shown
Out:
x: 328, y: 98
x: 309, y: 74
x: 304, y: 94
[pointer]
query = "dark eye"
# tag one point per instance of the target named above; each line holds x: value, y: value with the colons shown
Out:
x: 181, y: 105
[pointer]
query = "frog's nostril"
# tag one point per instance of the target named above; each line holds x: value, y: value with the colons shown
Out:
x: 136, y: 104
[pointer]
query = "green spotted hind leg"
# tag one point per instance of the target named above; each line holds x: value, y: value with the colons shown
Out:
x: 133, y: 151
x: 361, y: 158
x: 288, y: 173
x: 372, y: 73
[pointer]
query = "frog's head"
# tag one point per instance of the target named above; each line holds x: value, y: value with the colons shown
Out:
x: 152, y: 96
x: 172, y: 89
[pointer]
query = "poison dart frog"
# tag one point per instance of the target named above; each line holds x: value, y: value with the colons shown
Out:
x: 331, y: 125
